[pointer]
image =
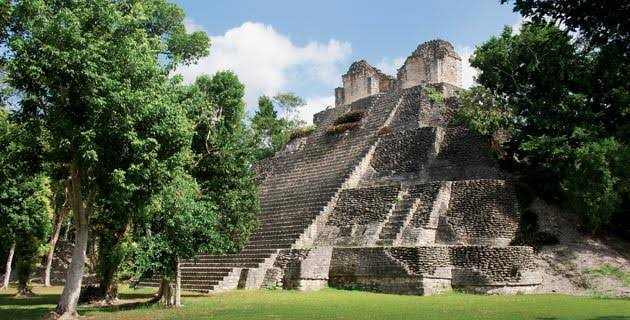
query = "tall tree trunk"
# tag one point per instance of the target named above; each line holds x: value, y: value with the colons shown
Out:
x: 67, y: 306
x: 178, y: 286
x: 171, y: 290
x: 7, y: 270
x: 59, y: 217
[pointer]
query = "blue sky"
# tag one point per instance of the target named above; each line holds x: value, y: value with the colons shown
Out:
x: 305, y: 46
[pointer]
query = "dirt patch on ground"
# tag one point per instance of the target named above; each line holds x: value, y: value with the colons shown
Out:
x: 579, y: 264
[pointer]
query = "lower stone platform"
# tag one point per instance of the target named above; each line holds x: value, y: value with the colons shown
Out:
x: 422, y: 270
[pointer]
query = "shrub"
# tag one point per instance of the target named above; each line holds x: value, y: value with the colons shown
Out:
x: 384, y: 130
x: 341, y: 128
x: 433, y: 95
x: 350, y: 117
x: 301, y: 132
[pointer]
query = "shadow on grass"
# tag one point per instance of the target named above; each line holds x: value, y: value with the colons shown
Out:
x: 26, y: 308
x: 39, y: 305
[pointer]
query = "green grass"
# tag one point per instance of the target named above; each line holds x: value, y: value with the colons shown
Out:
x: 609, y: 271
x: 336, y: 304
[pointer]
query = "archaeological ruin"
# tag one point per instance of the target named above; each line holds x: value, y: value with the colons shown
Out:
x: 385, y: 195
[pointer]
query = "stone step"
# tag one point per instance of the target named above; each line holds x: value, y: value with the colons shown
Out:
x: 235, y: 259
x: 243, y: 253
x: 280, y: 224
x: 277, y: 245
x: 267, y: 232
x: 199, y: 282
x: 275, y: 236
x: 284, y: 228
x: 203, y: 278
x: 220, y: 265
x: 207, y: 270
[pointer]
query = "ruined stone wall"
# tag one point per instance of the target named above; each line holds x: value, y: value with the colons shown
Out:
x: 480, y: 212
x: 464, y: 155
x: 371, y: 269
x: 404, y: 151
x: 360, y: 85
x: 299, y: 269
x: 362, y: 80
x: 482, y: 266
x: 414, y: 270
x: 432, y: 62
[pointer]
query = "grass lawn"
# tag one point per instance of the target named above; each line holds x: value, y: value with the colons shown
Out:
x: 336, y: 304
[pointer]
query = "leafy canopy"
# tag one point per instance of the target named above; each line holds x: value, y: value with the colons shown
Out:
x: 564, y: 111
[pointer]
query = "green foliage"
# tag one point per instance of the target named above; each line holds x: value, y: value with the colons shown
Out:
x: 271, y: 131
x: 564, y: 112
x: 289, y: 103
x: 480, y: 111
x: 275, y: 121
x: 607, y: 270
x: 25, y: 192
x: 179, y: 225
x: 223, y: 166
x: 208, y: 205
x: 593, y: 183
x: 433, y: 95
x: 95, y: 74
x: 599, y: 22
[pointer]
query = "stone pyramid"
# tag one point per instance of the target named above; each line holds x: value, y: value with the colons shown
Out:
x: 395, y: 201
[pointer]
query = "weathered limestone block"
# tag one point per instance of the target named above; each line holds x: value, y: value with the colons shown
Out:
x: 300, y: 269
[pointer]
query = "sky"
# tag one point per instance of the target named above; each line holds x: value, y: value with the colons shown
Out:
x: 305, y: 46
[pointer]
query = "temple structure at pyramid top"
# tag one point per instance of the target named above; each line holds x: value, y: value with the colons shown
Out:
x: 432, y: 62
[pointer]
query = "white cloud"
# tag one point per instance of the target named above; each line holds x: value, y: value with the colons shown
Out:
x: 391, y: 66
x: 468, y: 72
x: 267, y: 62
x: 313, y: 106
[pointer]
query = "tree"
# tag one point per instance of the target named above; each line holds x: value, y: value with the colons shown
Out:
x: 564, y: 112
x: 61, y: 208
x: 24, y: 196
x: 273, y: 131
x: 211, y: 206
x: 289, y: 104
x: 223, y: 163
x: 97, y: 70
x: 599, y: 22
